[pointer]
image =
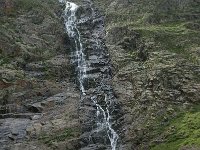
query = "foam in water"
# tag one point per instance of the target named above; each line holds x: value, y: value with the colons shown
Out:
x: 73, y: 32
x: 105, y: 123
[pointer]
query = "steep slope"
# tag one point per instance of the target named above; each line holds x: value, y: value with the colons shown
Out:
x: 155, y: 52
x: 38, y: 102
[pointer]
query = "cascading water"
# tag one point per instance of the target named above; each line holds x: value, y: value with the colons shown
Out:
x: 91, y: 61
x: 73, y: 32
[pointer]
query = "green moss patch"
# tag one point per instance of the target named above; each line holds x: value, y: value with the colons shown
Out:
x: 175, y: 38
x: 182, y: 131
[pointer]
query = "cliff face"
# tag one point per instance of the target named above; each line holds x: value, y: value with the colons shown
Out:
x: 154, y: 46
x: 38, y: 103
x: 155, y: 52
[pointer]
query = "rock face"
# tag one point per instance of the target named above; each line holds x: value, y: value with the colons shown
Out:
x: 156, y: 70
x: 37, y: 99
x: 98, y: 108
x: 154, y: 49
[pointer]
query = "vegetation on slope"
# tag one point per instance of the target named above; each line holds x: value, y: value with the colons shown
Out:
x: 163, y: 83
x: 182, y: 131
x: 174, y: 24
x: 168, y: 32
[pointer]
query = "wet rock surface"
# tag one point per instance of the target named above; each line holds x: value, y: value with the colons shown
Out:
x: 154, y: 51
x: 13, y: 129
x: 51, y: 120
x: 98, y: 108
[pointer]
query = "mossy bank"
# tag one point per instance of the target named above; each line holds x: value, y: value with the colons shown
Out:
x: 154, y: 46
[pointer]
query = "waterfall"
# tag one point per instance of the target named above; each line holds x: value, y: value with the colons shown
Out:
x: 73, y: 32
x: 93, y: 66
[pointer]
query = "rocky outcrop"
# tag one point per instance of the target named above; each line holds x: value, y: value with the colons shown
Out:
x: 153, y: 78
x: 98, y: 108
x: 37, y: 99
x: 154, y: 51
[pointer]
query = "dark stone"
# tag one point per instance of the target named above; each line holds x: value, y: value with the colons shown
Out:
x: 97, y: 80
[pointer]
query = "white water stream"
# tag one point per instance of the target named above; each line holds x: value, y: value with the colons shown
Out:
x: 73, y: 32
x: 103, y: 114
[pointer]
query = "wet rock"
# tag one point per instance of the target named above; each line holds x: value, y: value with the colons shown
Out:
x: 14, y: 129
x: 50, y: 102
x: 97, y: 108
x: 35, y: 108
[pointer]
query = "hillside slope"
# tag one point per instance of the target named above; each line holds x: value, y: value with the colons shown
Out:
x: 38, y: 102
x: 155, y: 51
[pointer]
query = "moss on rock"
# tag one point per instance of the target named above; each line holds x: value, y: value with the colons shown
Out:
x: 182, y: 131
